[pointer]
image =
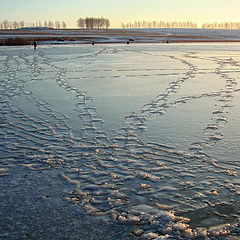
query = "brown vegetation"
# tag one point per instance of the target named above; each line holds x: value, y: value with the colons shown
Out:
x: 23, y: 37
x: 15, y: 42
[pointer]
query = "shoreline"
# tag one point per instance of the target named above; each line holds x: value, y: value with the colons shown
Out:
x: 113, y: 36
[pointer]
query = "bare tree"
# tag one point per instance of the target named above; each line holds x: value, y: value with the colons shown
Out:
x: 57, y: 24
x: 101, y: 22
x: 64, y: 25
x: 50, y: 24
x: 15, y: 25
x: 89, y: 23
x: 22, y: 24
x: 107, y: 22
x: 81, y: 23
x: 10, y: 25
x: 5, y: 24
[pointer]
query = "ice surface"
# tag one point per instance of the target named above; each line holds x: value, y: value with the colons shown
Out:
x: 141, y: 135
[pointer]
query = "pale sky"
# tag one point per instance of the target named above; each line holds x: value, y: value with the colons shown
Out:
x: 118, y: 11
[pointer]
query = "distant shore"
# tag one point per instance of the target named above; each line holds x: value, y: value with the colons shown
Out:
x: 81, y: 36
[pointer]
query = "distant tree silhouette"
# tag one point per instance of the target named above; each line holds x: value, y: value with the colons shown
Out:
x: 10, y: 25
x: 5, y: 24
x: 15, y: 25
x: 50, y: 24
x: 64, y: 26
x: 57, y: 24
x: 89, y: 23
x: 81, y: 23
x: 93, y: 23
x: 45, y: 24
x: 21, y: 24
x: 107, y: 23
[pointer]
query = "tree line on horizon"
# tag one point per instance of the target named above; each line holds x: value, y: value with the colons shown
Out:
x: 93, y: 23
x: 175, y: 24
x: 99, y: 23
x: 6, y: 24
x: 160, y: 24
x: 223, y: 25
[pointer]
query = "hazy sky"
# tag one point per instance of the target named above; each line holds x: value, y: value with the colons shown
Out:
x: 118, y: 11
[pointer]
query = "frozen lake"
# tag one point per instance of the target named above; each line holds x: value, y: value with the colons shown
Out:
x: 120, y: 141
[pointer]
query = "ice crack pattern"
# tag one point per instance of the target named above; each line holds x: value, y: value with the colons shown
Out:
x: 138, y: 132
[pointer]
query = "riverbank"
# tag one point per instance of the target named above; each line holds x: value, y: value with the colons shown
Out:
x: 84, y: 36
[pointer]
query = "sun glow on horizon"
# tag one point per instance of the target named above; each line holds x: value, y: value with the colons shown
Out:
x: 125, y: 11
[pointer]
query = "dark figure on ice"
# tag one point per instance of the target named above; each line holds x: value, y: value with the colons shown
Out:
x: 93, y: 43
x: 35, y: 45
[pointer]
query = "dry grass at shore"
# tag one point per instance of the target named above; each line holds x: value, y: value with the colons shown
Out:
x: 15, y: 42
x: 26, y: 37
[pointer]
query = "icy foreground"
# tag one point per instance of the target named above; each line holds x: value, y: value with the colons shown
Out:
x: 120, y: 142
